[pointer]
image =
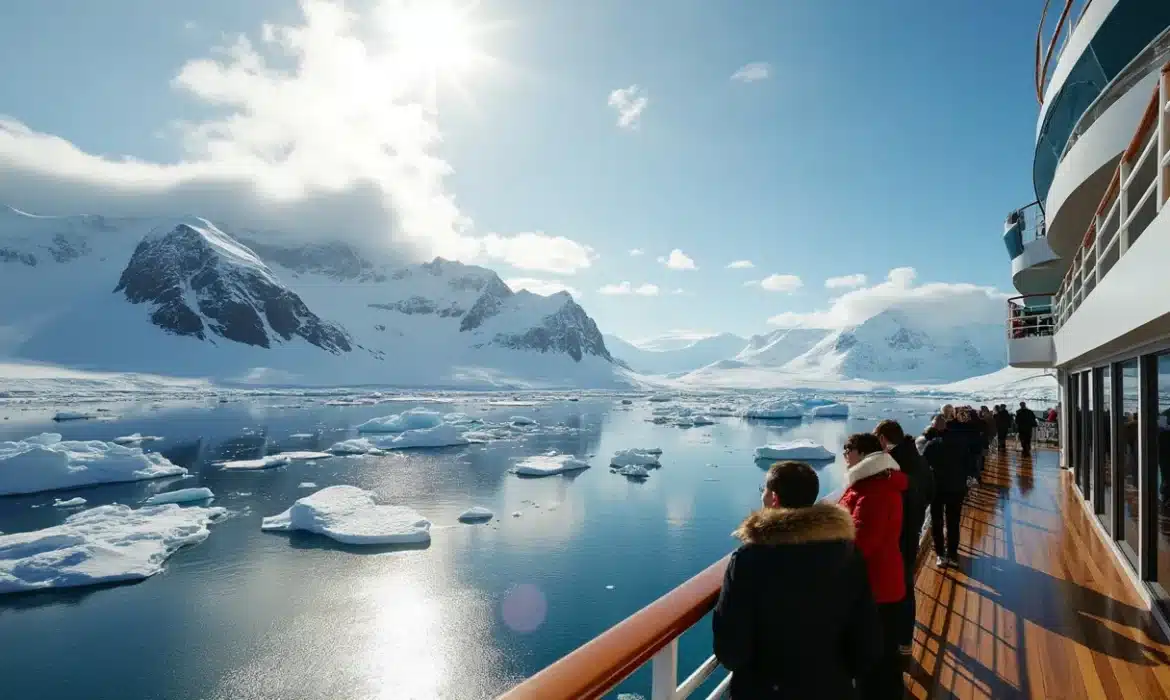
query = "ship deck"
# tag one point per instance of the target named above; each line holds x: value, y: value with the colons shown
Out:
x: 1040, y: 607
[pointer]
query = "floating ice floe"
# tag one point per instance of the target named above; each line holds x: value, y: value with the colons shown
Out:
x: 46, y: 463
x: 352, y: 516
x: 354, y: 446
x: 135, y: 439
x: 548, y: 465
x: 774, y: 409
x: 413, y: 419
x: 302, y: 436
x: 306, y: 485
x: 722, y: 411
x: 701, y: 420
x: 795, y: 449
x: 70, y: 503
x: 265, y: 462
x: 303, y: 455
x: 635, y: 456
x: 489, y: 434
x: 201, y: 493
x: 832, y: 410
x: 73, y: 415
x: 476, y: 514
x: 633, y: 471
x: 661, y: 398
x: 521, y: 420
x: 444, y: 435
x: 106, y: 544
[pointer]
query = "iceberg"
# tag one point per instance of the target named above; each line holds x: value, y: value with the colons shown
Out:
x: 476, y: 514
x: 702, y: 420
x: 413, y: 419
x: 261, y: 463
x: 661, y: 398
x: 306, y: 485
x: 548, y: 465
x: 352, y: 516
x: 636, y: 457
x: 300, y: 456
x: 633, y: 471
x: 796, y: 449
x: 180, y: 496
x: 443, y: 435
x: 135, y: 439
x: 106, y: 544
x: 354, y: 446
x: 521, y: 420
x: 71, y: 503
x: 72, y: 415
x: 774, y: 409
x: 832, y: 410
x: 46, y: 463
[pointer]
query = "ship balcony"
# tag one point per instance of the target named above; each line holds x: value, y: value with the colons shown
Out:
x: 1030, y: 327
x: 1035, y: 268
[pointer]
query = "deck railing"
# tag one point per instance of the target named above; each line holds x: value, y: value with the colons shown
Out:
x: 651, y: 635
x: 1028, y: 319
x: 1135, y: 196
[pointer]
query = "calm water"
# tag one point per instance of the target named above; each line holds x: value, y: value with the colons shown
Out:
x: 249, y: 614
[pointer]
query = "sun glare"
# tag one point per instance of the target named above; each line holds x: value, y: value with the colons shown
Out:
x: 436, y: 39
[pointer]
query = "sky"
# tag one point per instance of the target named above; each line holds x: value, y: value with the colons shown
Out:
x: 680, y: 166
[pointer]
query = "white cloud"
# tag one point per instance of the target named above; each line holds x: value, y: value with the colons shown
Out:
x: 623, y: 288
x: 752, y: 72
x: 635, y: 252
x: 629, y: 103
x: 740, y: 265
x: 777, y: 283
x: 846, y: 282
x: 955, y: 302
x: 679, y: 290
x: 537, y: 251
x: 317, y: 129
x: 542, y: 287
x: 678, y: 260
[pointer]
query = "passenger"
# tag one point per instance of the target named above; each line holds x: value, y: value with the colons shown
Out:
x: 1003, y: 425
x: 948, y: 413
x: 796, y: 617
x: 947, y: 456
x: 1025, y: 424
x: 988, y: 419
x: 915, y: 500
x: 1051, y: 415
x: 937, y: 425
x: 873, y: 496
x: 966, y: 430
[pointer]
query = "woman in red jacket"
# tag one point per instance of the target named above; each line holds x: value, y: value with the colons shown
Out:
x: 873, y: 496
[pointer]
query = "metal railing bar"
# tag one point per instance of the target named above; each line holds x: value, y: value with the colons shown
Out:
x: 701, y: 674
x: 721, y: 690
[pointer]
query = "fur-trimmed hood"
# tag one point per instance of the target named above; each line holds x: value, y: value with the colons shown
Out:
x: 871, y: 465
x: 821, y: 522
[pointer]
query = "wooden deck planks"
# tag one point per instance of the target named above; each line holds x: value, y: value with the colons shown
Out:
x: 1039, y: 607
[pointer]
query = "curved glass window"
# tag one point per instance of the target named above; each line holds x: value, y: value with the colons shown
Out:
x: 1128, y: 29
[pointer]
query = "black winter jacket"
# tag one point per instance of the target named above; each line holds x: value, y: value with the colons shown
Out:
x: 915, y: 468
x: 1025, y: 419
x: 951, y: 459
x: 796, y: 618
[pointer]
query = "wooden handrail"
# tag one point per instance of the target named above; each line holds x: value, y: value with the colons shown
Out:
x: 1149, y: 118
x: 594, y: 669
x: 1039, y: 41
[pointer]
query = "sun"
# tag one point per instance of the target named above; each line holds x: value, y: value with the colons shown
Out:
x: 436, y: 38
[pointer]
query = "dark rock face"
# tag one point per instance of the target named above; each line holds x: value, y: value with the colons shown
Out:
x: 233, y: 298
x: 421, y: 305
x: 569, y: 330
x: 62, y: 249
x: 495, y: 292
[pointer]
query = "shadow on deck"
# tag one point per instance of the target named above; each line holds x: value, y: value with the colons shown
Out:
x: 1039, y: 607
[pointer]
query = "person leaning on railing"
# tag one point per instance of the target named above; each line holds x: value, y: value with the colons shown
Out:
x: 795, y: 617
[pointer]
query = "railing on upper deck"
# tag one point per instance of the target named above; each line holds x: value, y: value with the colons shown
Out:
x: 1023, y: 226
x: 1028, y: 319
x: 1135, y: 196
x: 1058, y: 35
x: 650, y: 635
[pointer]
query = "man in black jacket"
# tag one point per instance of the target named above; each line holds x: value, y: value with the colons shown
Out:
x: 948, y: 457
x: 796, y: 618
x: 1025, y: 424
x: 914, y: 503
x: 1003, y: 425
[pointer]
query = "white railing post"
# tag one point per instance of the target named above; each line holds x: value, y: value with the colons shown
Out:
x: 1123, y: 207
x: 1163, y: 139
x: 664, y: 672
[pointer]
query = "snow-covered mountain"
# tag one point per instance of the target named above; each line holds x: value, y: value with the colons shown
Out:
x: 184, y: 297
x: 781, y: 346
x: 675, y: 356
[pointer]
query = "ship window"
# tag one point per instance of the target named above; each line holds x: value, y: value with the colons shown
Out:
x: 1106, y: 473
x: 1161, y: 454
x: 1086, y: 413
x: 1129, y: 459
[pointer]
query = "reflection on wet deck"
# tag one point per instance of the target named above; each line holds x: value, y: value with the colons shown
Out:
x: 1039, y: 608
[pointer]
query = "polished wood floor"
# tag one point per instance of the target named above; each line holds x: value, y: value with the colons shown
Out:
x: 1039, y: 607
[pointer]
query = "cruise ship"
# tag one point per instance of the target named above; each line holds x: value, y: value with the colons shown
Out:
x: 1064, y: 587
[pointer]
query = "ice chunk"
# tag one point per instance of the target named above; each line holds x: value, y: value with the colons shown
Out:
x: 444, y: 435
x: 135, y: 439
x: 795, y: 449
x: 413, y: 419
x: 71, y: 503
x: 636, y: 457
x: 661, y: 398
x: 833, y: 410
x: 547, y: 465
x: 100, y: 545
x: 352, y: 516
x: 702, y: 420
x: 73, y: 415
x: 300, y: 456
x: 476, y: 514
x: 633, y: 471
x: 306, y: 485
x: 774, y: 409
x: 302, y: 436
x: 261, y: 463
x: 521, y: 420
x: 46, y: 463
x: 201, y: 493
x: 353, y: 446
x: 721, y: 411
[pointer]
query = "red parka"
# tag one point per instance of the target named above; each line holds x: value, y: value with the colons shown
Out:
x: 873, y: 496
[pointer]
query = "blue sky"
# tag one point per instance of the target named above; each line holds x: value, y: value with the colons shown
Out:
x: 884, y: 135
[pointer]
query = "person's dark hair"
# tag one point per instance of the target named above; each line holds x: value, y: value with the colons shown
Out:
x: 891, y: 430
x: 795, y: 484
x: 1023, y: 405
x: 863, y: 443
